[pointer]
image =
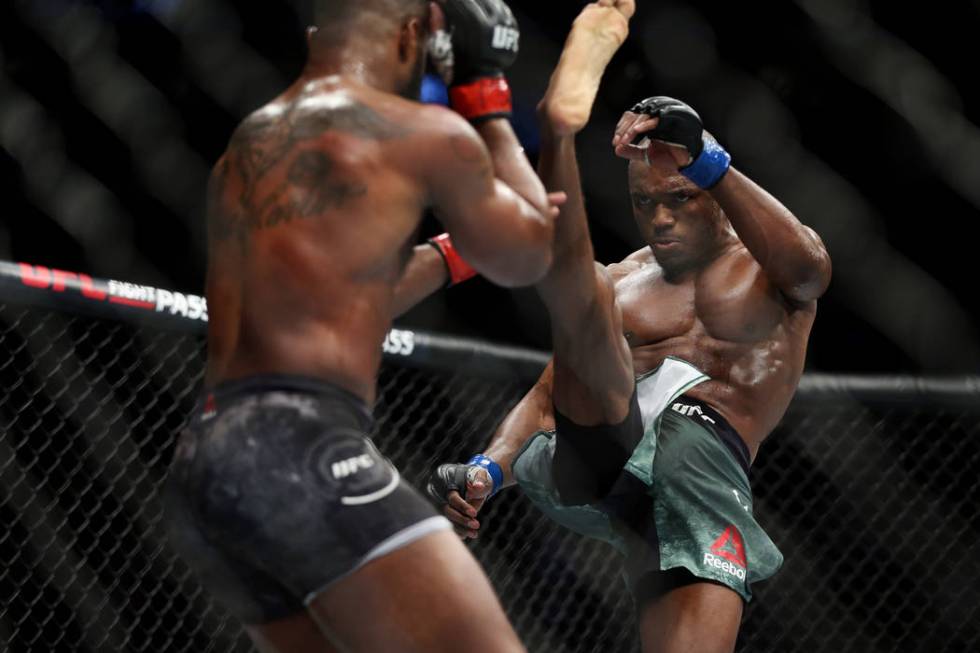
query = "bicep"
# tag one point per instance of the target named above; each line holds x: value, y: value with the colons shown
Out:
x: 492, y: 227
x: 464, y: 189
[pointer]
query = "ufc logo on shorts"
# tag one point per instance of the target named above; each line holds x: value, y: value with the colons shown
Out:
x: 351, y: 466
x: 691, y: 411
x: 505, y: 38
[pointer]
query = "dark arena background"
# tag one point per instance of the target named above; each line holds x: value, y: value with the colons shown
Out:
x: 861, y: 116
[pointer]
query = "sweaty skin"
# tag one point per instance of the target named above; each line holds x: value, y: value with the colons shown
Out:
x: 313, y: 212
x: 721, y: 312
x: 699, y: 292
x: 728, y: 282
x: 727, y: 318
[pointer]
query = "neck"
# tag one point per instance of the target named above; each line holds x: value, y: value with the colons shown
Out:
x: 678, y: 273
x: 682, y: 271
x: 364, y: 62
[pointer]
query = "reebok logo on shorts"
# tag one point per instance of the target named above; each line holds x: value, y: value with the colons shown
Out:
x: 210, y: 408
x: 728, y: 554
x: 351, y: 466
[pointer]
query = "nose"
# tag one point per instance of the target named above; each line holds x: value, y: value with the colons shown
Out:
x: 663, y: 218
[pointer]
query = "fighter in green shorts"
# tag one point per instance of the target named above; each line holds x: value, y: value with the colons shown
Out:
x: 645, y: 440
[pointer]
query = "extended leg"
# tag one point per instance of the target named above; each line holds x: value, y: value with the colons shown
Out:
x: 593, y: 368
x: 593, y: 386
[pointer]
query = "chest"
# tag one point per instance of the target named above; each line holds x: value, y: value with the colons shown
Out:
x: 730, y: 301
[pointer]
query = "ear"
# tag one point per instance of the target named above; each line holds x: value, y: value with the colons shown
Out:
x: 437, y: 18
x: 409, y: 42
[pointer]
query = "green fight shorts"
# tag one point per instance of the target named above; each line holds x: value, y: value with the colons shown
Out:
x: 682, y: 499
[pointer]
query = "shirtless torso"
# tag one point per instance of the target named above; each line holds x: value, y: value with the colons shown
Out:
x: 277, y: 498
x: 727, y: 320
x: 312, y: 215
x: 728, y: 284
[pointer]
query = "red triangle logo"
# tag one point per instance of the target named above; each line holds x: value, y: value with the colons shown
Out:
x: 730, y: 547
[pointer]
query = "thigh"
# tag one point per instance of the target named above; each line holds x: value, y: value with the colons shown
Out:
x: 696, y: 616
x: 593, y: 366
x: 430, y: 596
x: 588, y: 461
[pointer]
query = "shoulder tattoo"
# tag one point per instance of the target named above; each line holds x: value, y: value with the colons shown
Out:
x: 313, y: 186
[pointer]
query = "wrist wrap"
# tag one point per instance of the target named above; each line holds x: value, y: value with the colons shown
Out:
x: 493, y: 469
x: 482, y: 99
x: 459, y: 270
x: 709, y: 166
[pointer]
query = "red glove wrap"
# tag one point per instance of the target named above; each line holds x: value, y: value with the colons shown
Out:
x: 459, y: 270
x: 482, y: 99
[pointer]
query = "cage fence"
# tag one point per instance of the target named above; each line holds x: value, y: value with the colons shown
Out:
x: 869, y: 486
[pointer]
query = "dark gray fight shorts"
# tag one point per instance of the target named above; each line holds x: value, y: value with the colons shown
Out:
x: 276, y: 491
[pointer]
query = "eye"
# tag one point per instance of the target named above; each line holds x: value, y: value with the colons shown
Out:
x: 680, y: 198
x: 642, y: 200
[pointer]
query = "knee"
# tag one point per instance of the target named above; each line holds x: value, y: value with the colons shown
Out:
x: 605, y: 286
x: 605, y: 298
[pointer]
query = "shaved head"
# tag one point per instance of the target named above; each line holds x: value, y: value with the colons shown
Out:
x: 386, y: 37
x: 331, y: 13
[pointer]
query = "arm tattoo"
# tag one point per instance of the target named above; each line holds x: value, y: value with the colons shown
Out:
x: 466, y: 153
x: 313, y: 186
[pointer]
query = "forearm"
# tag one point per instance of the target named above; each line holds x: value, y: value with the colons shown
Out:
x: 507, y: 442
x: 516, y: 249
x: 791, y: 254
x: 510, y: 165
x: 425, y: 273
x: 534, y: 413
x: 496, y: 230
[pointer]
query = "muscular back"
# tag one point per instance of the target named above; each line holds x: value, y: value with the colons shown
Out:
x: 729, y: 321
x: 312, y: 212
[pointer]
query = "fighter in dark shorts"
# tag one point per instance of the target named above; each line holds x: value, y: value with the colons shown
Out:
x: 277, y: 498
x: 645, y: 441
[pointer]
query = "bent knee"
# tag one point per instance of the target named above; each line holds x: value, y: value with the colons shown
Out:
x: 605, y: 286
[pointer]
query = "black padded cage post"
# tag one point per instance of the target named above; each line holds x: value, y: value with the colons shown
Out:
x: 869, y: 486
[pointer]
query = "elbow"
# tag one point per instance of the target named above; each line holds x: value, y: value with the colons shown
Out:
x: 811, y: 280
x: 812, y: 272
x: 518, y: 278
x: 528, y: 263
x: 525, y: 269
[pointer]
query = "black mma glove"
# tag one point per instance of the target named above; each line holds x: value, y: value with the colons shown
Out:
x: 444, y: 480
x: 681, y: 125
x: 454, y: 476
x: 485, y: 39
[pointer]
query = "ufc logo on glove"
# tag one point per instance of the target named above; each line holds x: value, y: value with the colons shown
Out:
x: 505, y: 38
